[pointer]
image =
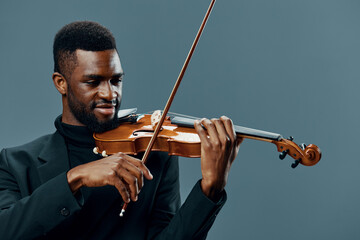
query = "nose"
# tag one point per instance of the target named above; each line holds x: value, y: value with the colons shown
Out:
x: 106, y: 91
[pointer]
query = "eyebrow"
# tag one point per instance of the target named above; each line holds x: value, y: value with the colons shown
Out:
x: 100, y: 77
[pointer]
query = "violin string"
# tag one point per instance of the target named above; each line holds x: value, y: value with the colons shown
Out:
x: 173, y: 114
x: 182, y: 115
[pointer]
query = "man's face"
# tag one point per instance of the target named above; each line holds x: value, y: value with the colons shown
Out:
x: 95, y: 89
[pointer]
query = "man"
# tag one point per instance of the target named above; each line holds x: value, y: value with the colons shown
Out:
x: 56, y: 188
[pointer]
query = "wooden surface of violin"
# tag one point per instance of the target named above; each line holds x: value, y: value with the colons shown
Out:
x: 132, y: 138
x: 178, y: 137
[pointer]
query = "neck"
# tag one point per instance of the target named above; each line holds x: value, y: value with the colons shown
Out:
x: 75, y: 135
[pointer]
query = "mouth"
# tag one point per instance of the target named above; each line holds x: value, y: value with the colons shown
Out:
x: 105, y: 109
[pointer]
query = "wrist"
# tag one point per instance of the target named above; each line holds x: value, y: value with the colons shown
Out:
x: 74, y: 180
x: 212, y: 190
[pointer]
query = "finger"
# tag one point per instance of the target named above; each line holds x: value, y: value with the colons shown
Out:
x: 120, y: 186
x: 212, y: 131
x: 231, y: 130
x: 132, y: 169
x: 131, y: 182
x: 139, y: 164
x: 222, y: 133
x: 201, y: 132
x: 228, y: 125
x: 239, y: 140
x: 139, y: 175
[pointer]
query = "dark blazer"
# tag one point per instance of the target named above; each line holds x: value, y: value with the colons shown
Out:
x: 36, y: 201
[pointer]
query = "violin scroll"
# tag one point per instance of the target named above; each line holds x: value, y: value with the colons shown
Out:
x: 305, y: 155
x: 313, y: 154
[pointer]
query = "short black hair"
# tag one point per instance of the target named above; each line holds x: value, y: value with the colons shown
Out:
x: 84, y: 35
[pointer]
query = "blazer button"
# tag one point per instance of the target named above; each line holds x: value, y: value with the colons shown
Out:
x: 65, y: 212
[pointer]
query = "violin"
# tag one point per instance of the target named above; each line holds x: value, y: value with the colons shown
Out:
x: 178, y: 137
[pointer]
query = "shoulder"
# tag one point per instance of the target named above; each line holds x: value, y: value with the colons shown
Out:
x: 26, y: 151
x: 32, y: 146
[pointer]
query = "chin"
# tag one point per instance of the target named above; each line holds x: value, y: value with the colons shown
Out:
x: 104, y: 118
x: 103, y: 125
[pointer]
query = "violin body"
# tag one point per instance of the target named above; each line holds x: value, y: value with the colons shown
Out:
x: 132, y: 138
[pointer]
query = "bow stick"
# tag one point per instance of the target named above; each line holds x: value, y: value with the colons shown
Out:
x: 173, y: 92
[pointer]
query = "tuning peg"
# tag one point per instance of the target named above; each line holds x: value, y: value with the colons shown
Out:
x: 291, y: 138
x: 104, y: 154
x: 96, y: 150
x: 296, y: 163
x: 303, y: 146
x: 283, y: 154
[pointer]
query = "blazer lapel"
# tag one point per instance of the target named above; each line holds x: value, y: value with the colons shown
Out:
x: 54, y: 157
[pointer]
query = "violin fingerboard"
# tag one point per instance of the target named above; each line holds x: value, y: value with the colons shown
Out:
x: 188, y: 122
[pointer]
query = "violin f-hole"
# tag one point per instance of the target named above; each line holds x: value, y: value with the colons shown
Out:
x: 136, y: 133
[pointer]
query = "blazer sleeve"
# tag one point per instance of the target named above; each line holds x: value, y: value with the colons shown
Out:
x: 194, y: 218
x: 29, y: 217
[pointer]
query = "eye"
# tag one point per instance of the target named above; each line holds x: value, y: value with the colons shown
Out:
x: 116, y: 81
x: 93, y: 82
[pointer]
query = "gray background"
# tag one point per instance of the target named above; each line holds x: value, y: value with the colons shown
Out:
x: 285, y: 66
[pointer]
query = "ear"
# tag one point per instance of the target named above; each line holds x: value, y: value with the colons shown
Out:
x: 60, y: 83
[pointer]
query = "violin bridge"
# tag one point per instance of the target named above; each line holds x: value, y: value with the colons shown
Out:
x: 155, y: 118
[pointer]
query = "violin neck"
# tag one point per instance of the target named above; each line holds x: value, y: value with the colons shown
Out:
x: 240, y: 131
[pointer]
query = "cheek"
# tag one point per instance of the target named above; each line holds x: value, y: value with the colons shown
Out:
x: 119, y: 91
x: 83, y: 97
x: 86, y: 93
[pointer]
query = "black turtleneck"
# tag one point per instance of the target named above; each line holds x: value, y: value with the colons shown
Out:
x: 79, y: 141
